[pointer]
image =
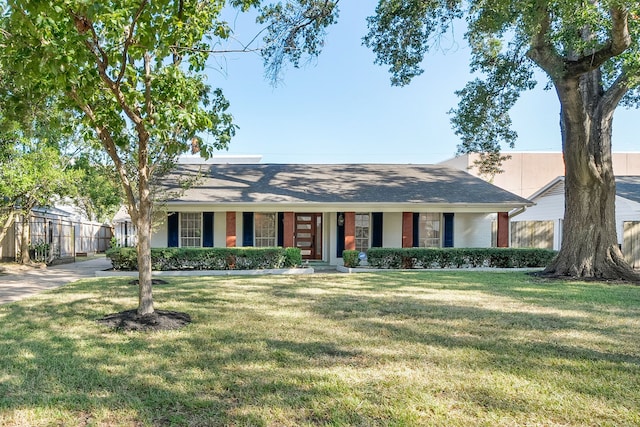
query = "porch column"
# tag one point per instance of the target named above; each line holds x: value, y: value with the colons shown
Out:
x: 503, y: 230
x: 289, y: 230
x: 231, y: 229
x: 349, y: 231
x: 407, y: 229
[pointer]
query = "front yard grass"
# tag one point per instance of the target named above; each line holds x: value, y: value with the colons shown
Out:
x: 403, y: 349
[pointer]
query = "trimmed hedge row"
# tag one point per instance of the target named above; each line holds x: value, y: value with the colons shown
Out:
x: 453, y: 257
x: 165, y: 259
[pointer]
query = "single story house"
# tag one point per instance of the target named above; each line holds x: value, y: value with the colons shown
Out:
x: 326, y: 208
x: 541, y: 225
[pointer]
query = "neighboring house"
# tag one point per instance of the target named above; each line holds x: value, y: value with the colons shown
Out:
x: 525, y: 173
x: 56, y: 235
x: 541, y: 225
x: 325, y: 209
x: 123, y: 229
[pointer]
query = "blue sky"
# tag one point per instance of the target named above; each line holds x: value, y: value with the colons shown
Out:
x: 341, y: 108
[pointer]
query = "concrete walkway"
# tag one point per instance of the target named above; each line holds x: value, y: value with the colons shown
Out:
x: 14, y: 287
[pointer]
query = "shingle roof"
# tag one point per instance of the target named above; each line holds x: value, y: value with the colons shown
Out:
x: 338, y: 183
x: 628, y: 187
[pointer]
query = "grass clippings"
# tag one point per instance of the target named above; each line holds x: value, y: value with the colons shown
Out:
x: 403, y: 349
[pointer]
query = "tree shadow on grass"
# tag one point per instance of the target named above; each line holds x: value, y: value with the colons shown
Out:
x: 83, y: 371
x: 513, y: 342
x: 240, y: 363
x: 598, y: 297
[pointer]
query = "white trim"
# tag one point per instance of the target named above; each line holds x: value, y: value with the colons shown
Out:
x: 369, y: 229
x: 545, y: 188
x: 341, y: 207
x: 180, y: 229
x: 275, y: 229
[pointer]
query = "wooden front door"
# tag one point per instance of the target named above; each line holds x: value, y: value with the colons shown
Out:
x: 309, y: 235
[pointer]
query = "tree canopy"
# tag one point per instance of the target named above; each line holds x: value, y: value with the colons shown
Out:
x: 508, y: 40
x: 34, y: 172
x: 590, y: 53
x: 133, y: 73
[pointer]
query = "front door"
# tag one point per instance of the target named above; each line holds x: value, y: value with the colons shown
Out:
x: 309, y: 235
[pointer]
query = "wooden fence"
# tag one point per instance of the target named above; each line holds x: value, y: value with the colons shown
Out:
x: 540, y: 234
x: 631, y: 242
x: 55, y: 238
x: 532, y: 234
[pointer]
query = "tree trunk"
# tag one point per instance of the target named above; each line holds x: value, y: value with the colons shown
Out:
x: 25, y: 237
x: 145, y: 294
x: 589, y: 238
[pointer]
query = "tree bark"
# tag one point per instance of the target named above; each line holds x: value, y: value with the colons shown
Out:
x: 143, y: 216
x: 589, y: 238
x: 25, y: 237
x: 145, y: 293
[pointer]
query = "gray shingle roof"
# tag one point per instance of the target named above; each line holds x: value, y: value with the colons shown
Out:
x: 338, y: 183
x: 628, y: 187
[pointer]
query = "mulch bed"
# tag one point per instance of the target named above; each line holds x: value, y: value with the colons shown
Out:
x: 159, y: 320
x: 153, y: 282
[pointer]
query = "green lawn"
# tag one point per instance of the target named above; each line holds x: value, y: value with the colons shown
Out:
x: 429, y: 348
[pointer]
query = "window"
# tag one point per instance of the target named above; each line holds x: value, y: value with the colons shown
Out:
x: 363, y: 226
x: 265, y: 229
x: 429, y: 231
x: 190, y: 229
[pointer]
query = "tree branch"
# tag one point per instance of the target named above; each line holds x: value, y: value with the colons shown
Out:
x: 143, y: 137
x: 618, y: 42
x: 309, y: 17
x: 177, y: 59
x: 615, y: 93
x: 147, y: 86
x: 129, y: 40
x: 83, y: 25
x: 213, y: 51
x: 110, y: 146
x: 542, y: 51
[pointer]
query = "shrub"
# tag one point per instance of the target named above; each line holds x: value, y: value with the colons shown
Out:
x: 164, y: 259
x: 351, y: 258
x: 293, y: 257
x: 458, y: 257
x: 123, y: 258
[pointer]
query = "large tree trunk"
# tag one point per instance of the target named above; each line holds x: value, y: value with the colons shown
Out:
x: 589, y: 238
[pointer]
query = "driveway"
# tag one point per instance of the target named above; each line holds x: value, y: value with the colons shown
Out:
x: 20, y: 285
